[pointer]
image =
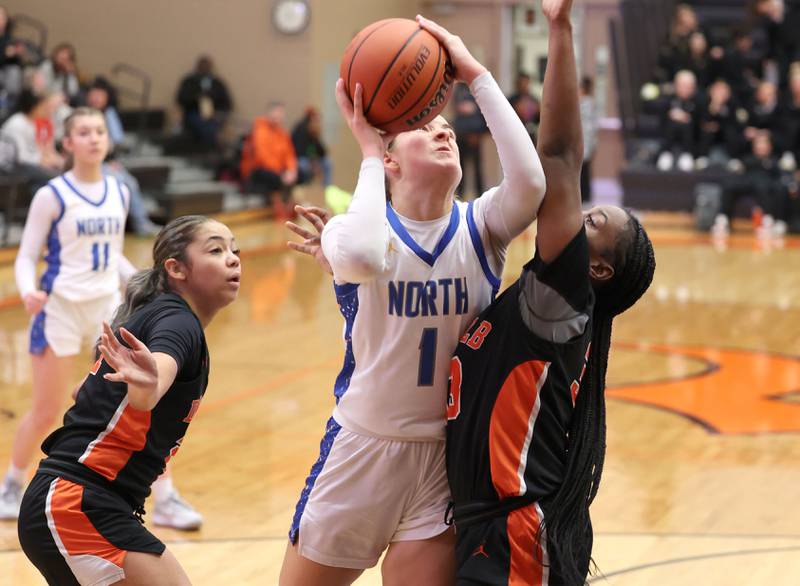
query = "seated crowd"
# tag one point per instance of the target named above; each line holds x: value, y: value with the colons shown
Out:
x: 37, y: 94
x: 733, y: 102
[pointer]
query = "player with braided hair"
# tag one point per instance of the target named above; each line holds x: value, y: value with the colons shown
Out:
x: 526, y: 430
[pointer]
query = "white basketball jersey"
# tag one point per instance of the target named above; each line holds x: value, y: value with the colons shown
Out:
x: 401, y: 329
x: 85, y: 242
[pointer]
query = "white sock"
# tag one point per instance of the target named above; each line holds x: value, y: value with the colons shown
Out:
x: 16, y: 474
x: 162, y: 488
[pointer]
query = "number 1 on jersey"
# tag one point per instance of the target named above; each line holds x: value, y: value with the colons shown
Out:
x: 427, y: 357
x: 96, y: 256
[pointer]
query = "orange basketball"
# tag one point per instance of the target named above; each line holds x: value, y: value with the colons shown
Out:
x: 406, y: 74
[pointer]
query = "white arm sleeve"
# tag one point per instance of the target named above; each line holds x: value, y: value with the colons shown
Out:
x: 512, y: 206
x: 355, y: 243
x: 45, y: 209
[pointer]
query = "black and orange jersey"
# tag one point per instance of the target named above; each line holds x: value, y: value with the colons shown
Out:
x: 514, y: 379
x: 104, y: 437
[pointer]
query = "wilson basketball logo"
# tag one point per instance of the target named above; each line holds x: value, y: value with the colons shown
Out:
x: 409, y: 78
x: 438, y: 99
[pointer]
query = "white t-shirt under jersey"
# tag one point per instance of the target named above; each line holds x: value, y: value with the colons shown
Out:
x: 83, y: 227
x: 409, y: 289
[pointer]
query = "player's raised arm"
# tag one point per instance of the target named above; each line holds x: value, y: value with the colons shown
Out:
x: 560, y: 139
x: 511, y: 207
x: 355, y: 243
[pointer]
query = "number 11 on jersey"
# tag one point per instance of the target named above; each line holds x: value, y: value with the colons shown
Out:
x: 100, y: 256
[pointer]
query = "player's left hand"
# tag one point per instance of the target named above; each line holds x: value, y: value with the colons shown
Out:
x: 467, y: 67
x: 557, y: 11
x: 312, y: 243
x: 134, y: 365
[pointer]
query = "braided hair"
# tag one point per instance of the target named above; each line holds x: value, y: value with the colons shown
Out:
x: 567, y: 525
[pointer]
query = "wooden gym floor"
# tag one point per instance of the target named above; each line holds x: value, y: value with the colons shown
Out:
x: 703, y: 467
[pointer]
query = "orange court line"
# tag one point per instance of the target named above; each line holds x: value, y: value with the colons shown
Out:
x: 743, y: 394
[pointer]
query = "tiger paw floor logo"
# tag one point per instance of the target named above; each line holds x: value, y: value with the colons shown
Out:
x: 739, y: 391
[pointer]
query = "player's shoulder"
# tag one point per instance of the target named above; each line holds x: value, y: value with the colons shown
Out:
x: 165, y: 306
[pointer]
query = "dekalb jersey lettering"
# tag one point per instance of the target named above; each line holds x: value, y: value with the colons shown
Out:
x: 430, y: 298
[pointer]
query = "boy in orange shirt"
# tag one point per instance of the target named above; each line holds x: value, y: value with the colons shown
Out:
x: 269, y: 163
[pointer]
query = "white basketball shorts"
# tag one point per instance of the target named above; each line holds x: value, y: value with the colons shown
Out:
x: 364, y: 493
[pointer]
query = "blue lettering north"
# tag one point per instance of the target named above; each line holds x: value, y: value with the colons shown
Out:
x: 428, y: 298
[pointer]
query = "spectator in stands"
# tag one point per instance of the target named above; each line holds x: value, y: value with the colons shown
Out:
x: 269, y: 163
x: 764, y: 114
x: 698, y: 60
x: 60, y: 72
x: 589, y: 117
x: 791, y: 111
x: 13, y: 55
x: 775, y: 33
x: 720, y: 129
x: 36, y: 159
x: 675, y: 51
x: 769, y: 183
x: 680, y: 124
x: 98, y: 97
x: 206, y: 103
x: 684, y: 23
x: 525, y: 104
x: 470, y: 127
x: 312, y: 156
x: 741, y: 66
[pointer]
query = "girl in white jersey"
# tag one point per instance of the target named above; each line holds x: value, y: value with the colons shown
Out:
x: 80, y: 218
x: 410, y: 274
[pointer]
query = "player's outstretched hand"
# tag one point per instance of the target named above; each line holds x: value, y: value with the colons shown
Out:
x: 467, y: 67
x: 134, y: 365
x: 312, y: 244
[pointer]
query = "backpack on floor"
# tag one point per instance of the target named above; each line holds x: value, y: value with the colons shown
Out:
x: 707, y: 204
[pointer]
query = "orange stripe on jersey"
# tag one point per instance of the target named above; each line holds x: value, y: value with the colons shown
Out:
x: 529, y: 563
x: 511, y: 426
x: 125, y: 434
x: 78, y: 535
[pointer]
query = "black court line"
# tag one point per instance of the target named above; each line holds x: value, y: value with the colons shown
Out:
x: 681, y: 560
x: 257, y: 538
x: 698, y: 535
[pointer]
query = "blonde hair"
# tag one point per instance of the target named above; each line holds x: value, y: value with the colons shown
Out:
x: 69, y: 121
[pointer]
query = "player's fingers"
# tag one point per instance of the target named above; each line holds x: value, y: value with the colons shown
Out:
x: 299, y: 230
x: 343, y: 100
x: 113, y: 343
x: 434, y: 28
x: 132, y: 340
x: 108, y: 357
x: 318, y: 222
x: 358, y: 102
x: 106, y: 343
x: 304, y: 248
x: 116, y: 377
x: 323, y: 213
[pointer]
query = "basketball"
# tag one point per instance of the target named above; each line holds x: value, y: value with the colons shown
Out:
x: 405, y: 73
